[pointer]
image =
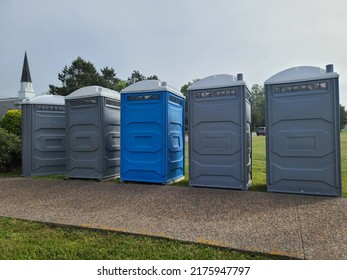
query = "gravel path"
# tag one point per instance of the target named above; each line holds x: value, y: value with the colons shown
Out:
x: 305, y: 227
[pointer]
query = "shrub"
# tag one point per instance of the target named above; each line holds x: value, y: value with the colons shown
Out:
x: 10, y: 151
x: 12, y: 122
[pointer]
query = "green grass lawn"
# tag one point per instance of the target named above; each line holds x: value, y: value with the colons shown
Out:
x: 258, y: 164
x: 24, y: 240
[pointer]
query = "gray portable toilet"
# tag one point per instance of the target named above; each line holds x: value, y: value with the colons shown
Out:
x: 303, y: 133
x: 43, y: 135
x: 93, y: 133
x: 220, y: 137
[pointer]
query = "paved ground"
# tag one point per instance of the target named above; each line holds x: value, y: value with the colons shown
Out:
x: 305, y: 227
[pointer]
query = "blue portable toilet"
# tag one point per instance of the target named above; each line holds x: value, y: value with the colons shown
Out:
x: 152, y: 133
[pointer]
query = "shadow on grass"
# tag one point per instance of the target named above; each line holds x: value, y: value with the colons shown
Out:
x: 10, y: 174
x: 258, y: 188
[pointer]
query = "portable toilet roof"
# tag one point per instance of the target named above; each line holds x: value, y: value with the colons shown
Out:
x: 302, y: 73
x: 218, y: 81
x: 45, y: 100
x: 151, y: 86
x: 92, y: 91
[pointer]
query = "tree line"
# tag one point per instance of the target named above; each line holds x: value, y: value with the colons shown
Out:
x: 83, y: 73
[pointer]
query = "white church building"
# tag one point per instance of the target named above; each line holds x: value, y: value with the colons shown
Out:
x: 26, y: 91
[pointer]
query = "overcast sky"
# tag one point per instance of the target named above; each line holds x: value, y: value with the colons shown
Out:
x: 178, y: 40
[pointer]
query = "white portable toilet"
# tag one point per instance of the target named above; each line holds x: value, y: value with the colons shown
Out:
x: 43, y: 135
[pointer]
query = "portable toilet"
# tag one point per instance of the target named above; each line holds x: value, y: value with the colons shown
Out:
x: 220, y: 138
x: 152, y: 133
x: 303, y: 132
x: 93, y: 133
x: 43, y: 135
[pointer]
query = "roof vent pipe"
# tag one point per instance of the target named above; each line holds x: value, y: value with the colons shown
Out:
x: 240, y: 77
x: 329, y: 68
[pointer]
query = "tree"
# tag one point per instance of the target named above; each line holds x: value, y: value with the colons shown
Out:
x: 108, y: 78
x: 153, y: 77
x: 121, y: 85
x: 136, y: 76
x: 12, y: 122
x: 184, y: 90
x: 343, y: 116
x: 10, y: 151
x: 83, y: 73
x: 258, y: 106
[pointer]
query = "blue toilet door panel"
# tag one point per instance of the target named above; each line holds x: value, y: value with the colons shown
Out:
x: 142, y: 137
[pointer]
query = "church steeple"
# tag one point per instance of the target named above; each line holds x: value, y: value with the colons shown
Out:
x: 26, y: 72
x: 26, y: 86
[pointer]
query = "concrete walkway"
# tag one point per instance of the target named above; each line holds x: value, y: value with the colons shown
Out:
x: 305, y: 227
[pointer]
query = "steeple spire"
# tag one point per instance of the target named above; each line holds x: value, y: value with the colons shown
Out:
x: 26, y: 72
x: 26, y: 87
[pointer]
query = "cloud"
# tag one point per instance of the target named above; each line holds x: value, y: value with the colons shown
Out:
x: 177, y: 40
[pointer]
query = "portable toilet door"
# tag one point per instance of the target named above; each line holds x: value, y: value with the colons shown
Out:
x: 93, y: 133
x: 43, y: 135
x: 152, y: 133
x: 220, y: 138
x: 303, y: 133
